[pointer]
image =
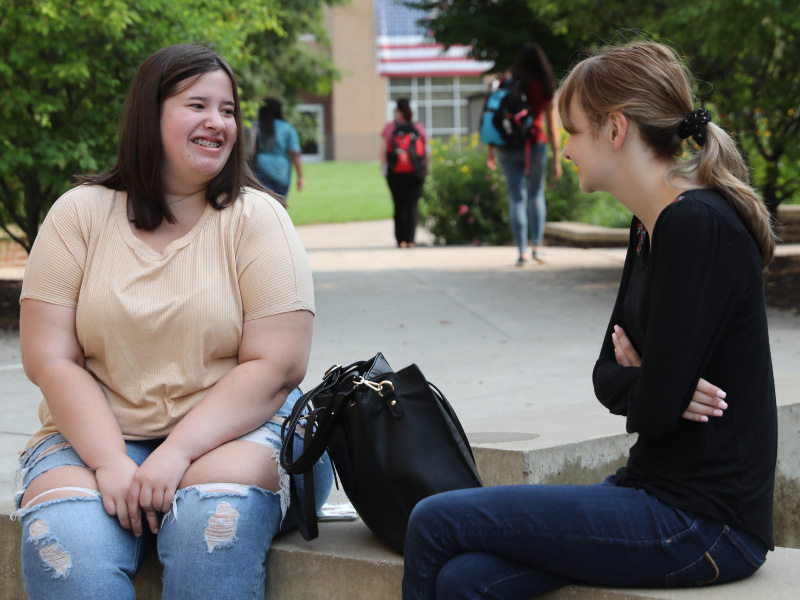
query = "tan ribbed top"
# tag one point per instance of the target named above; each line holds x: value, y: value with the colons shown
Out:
x: 160, y: 329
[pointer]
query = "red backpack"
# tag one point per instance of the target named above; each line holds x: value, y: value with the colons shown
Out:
x: 405, y: 151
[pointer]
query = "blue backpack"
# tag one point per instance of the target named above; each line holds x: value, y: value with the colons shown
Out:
x: 506, y: 119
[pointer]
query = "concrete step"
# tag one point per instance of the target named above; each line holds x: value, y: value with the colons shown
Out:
x: 348, y: 563
x: 574, y: 444
x: 585, y: 235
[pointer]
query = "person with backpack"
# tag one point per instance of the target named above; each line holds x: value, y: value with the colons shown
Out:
x: 404, y: 163
x: 277, y: 149
x: 519, y: 145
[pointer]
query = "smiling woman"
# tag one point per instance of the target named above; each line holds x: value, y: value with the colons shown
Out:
x: 198, y: 129
x: 151, y: 308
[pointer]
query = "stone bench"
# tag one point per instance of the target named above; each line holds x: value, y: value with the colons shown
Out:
x: 348, y: 563
x: 575, y: 444
x: 584, y: 235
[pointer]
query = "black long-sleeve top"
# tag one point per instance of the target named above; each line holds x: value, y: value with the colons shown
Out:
x: 693, y: 305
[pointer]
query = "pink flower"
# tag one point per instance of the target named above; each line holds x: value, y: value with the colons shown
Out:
x: 471, y: 220
x: 463, y: 209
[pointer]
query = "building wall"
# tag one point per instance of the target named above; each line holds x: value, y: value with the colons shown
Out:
x: 358, y: 99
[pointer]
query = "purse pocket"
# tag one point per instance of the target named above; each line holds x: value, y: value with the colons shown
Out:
x: 728, y: 559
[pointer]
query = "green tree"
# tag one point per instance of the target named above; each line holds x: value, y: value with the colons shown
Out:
x: 745, y: 49
x: 65, y: 66
x: 283, y: 68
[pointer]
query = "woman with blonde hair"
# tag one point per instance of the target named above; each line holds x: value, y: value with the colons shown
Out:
x: 685, y: 359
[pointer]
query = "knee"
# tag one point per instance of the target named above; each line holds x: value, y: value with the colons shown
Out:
x: 54, y: 529
x: 219, y: 512
x: 427, y: 513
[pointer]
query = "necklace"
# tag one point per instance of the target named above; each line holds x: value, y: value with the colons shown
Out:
x: 170, y: 202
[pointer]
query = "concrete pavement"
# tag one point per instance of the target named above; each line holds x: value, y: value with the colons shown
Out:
x: 508, y: 346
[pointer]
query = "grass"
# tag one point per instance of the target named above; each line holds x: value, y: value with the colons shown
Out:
x: 339, y: 192
x: 344, y: 191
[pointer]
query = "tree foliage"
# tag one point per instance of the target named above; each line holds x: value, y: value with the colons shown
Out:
x: 65, y: 67
x: 743, y: 51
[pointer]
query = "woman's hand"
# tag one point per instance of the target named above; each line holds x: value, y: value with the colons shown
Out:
x: 556, y: 170
x: 153, y: 487
x: 491, y: 158
x: 113, y: 481
x: 707, y: 400
x: 625, y: 353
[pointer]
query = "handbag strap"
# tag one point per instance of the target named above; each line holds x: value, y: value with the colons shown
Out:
x: 454, y: 419
x: 306, y: 517
x: 318, y: 429
x: 320, y: 425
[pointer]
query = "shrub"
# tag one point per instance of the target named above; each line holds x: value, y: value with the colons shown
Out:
x: 463, y: 201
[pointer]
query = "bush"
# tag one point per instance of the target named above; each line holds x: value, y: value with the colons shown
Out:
x: 463, y: 202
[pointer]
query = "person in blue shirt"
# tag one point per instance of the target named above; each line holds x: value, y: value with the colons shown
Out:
x: 277, y: 148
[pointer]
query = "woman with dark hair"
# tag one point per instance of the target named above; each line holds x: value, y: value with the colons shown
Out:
x: 277, y: 149
x: 166, y: 316
x: 685, y: 358
x: 525, y: 167
x: 404, y: 162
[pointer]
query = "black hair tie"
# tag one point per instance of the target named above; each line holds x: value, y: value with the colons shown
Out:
x: 695, y: 126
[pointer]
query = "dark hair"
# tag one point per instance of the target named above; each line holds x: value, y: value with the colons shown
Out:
x: 649, y: 84
x: 532, y: 64
x: 140, y: 153
x: 271, y: 109
x: 405, y: 109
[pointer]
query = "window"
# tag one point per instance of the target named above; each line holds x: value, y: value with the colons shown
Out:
x: 439, y: 103
x: 313, y: 117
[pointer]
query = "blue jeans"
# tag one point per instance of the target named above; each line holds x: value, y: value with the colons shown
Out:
x: 213, y: 543
x: 521, y: 541
x: 526, y: 203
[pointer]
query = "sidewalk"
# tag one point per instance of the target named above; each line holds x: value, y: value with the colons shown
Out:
x: 501, y: 342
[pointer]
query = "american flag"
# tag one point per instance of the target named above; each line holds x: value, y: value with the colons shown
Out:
x: 405, y: 51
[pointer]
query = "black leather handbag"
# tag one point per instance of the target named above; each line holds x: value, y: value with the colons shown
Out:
x: 393, y: 438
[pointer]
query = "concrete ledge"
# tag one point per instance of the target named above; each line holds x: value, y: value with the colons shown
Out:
x: 348, y: 563
x: 777, y: 580
x: 789, y: 223
x: 575, y: 444
x: 583, y: 235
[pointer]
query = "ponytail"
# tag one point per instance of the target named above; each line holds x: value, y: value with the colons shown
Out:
x: 718, y: 165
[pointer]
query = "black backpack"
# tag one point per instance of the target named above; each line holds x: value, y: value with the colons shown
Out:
x: 405, y: 151
x: 507, y: 118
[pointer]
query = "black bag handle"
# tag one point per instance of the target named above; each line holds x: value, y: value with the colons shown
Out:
x: 451, y: 413
x: 320, y: 429
x: 320, y: 425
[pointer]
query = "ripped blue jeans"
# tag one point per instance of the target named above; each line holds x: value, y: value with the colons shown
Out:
x: 213, y: 543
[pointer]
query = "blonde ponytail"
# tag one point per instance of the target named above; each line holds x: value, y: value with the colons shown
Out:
x: 717, y: 164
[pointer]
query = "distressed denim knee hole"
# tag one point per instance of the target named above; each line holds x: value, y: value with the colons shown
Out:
x: 221, y: 528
